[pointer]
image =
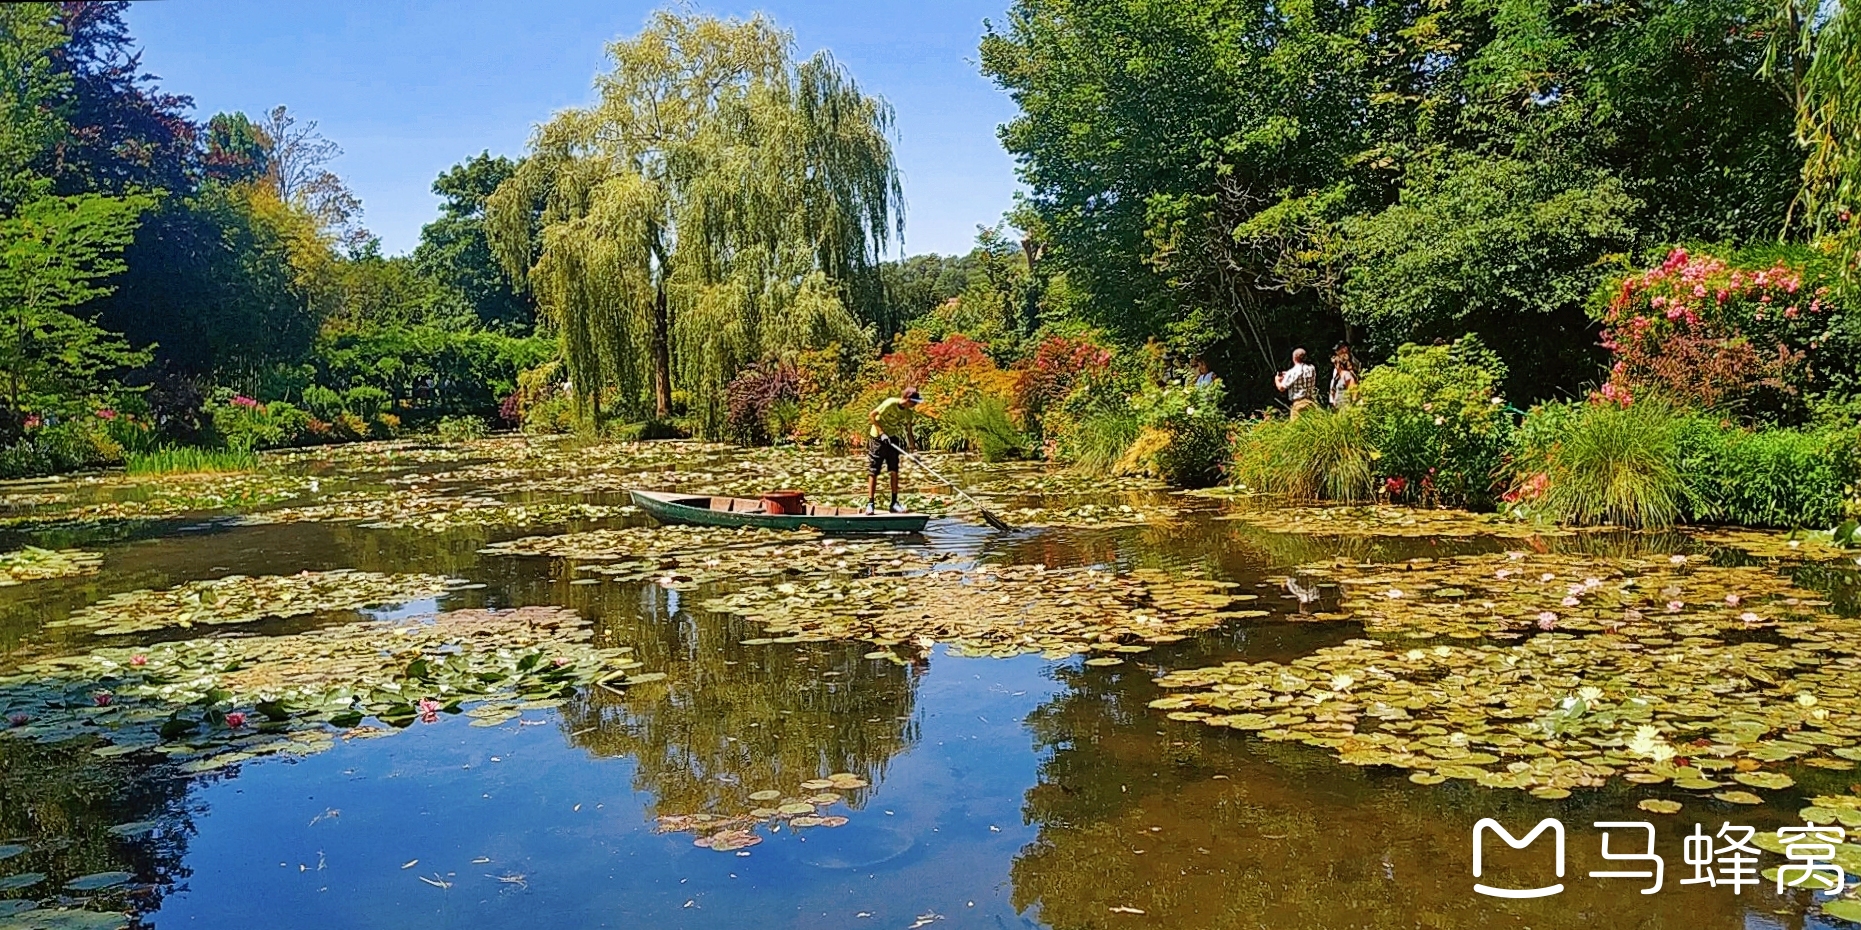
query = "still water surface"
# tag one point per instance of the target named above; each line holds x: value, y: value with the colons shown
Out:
x: 1004, y: 792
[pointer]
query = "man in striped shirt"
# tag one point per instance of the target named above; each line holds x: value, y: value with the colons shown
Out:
x: 1300, y: 382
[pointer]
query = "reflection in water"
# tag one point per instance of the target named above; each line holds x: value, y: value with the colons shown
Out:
x: 61, y: 803
x: 1202, y: 829
x: 730, y: 720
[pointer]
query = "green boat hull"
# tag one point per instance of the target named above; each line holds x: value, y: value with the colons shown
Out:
x: 705, y: 510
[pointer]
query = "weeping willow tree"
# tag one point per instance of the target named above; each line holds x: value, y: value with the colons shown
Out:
x: 1818, y: 44
x: 721, y: 204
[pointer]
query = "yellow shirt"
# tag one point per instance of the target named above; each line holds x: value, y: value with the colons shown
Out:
x: 894, y: 416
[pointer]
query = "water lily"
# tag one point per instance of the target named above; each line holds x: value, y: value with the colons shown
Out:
x: 1547, y: 621
x: 1571, y: 601
x: 429, y: 710
x: 236, y: 720
x: 1342, y: 682
x: 138, y: 660
x: 559, y: 661
x: 1589, y: 693
x: 1731, y: 600
x: 1750, y: 617
x: 1503, y: 574
x: 1547, y: 576
x: 1393, y: 594
x: 1674, y: 607
x: 1806, y: 699
x: 19, y: 720
x: 103, y: 698
x: 1677, y: 559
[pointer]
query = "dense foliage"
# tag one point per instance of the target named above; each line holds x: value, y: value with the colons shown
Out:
x: 1250, y: 175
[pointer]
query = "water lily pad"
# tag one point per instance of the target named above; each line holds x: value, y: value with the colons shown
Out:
x: 64, y: 919
x: 1659, y: 806
x: 99, y: 880
x: 796, y: 807
x: 765, y: 795
x: 1770, y: 780
x: 1738, y: 797
x: 134, y: 829
x: 1848, y: 909
x: 20, y: 880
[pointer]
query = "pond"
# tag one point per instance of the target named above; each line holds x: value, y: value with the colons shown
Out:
x: 413, y: 686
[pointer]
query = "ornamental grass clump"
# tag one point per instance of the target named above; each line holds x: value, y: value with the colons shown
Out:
x: 1320, y: 454
x: 1606, y: 463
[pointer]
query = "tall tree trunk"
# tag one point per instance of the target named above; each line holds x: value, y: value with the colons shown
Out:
x: 662, y: 354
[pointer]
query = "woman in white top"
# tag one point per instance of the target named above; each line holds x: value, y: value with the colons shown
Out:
x: 1343, y: 375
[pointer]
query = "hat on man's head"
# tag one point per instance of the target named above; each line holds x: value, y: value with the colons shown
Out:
x: 911, y: 394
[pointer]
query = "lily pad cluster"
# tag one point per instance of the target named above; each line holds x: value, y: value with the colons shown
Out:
x: 245, y: 599
x: 1512, y: 594
x: 435, y: 512
x: 800, y: 810
x: 1811, y: 545
x: 1555, y: 712
x: 689, y: 556
x: 992, y: 610
x: 33, y: 564
x: 216, y: 701
x: 93, y: 501
x: 1386, y: 520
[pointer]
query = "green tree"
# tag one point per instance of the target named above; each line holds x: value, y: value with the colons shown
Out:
x: 455, y: 252
x: 32, y: 91
x: 55, y: 255
x: 1200, y: 170
x: 720, y: 204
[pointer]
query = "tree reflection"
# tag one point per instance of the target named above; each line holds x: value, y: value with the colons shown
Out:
x: 60, y: 802
x: 730, y: 720
x: 1202, y: 829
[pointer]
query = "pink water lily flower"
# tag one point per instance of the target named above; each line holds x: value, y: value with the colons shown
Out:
x: 138, y: 660
x: 429, y: 710
x: 1547, y: 621
x: 1675, y: 606
x: 103, y: 698
x: 236, y: 720
x: 19, y: 720
x: 1571, y: 601
x: 1731, y: 600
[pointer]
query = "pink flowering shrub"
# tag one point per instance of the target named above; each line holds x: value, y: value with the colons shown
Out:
x: 1712, y: 334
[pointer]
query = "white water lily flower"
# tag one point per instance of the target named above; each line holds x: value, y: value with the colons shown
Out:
x: 1806, y: 699
x: 1342, y: 682
x: 1589, y: 693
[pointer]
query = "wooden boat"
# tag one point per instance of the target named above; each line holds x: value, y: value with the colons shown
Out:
x: 704, y: 510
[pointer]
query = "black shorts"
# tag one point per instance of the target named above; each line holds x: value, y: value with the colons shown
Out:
x: 880, y: 456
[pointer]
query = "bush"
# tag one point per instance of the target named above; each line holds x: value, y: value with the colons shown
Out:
x: 366, y: 401
x: 752, y: 398
x: 66, y: 446
x: 461, y: 429
x: 982, y: 426
x: 1746, y: 334
x: 1183, y: 437
x: 323, y: 403
x: 1318, y: 454
x: 1772, y: 478
x: 242, y: 424
x: 1603, y: 463
x: 1437, y: 423
x: 839, y: 429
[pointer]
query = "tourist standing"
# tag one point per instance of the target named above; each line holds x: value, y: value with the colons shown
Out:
x: 1300, y: 383
x: 1343, y: 375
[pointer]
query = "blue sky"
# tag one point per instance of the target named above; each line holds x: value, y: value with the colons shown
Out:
x: 410, y: 87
